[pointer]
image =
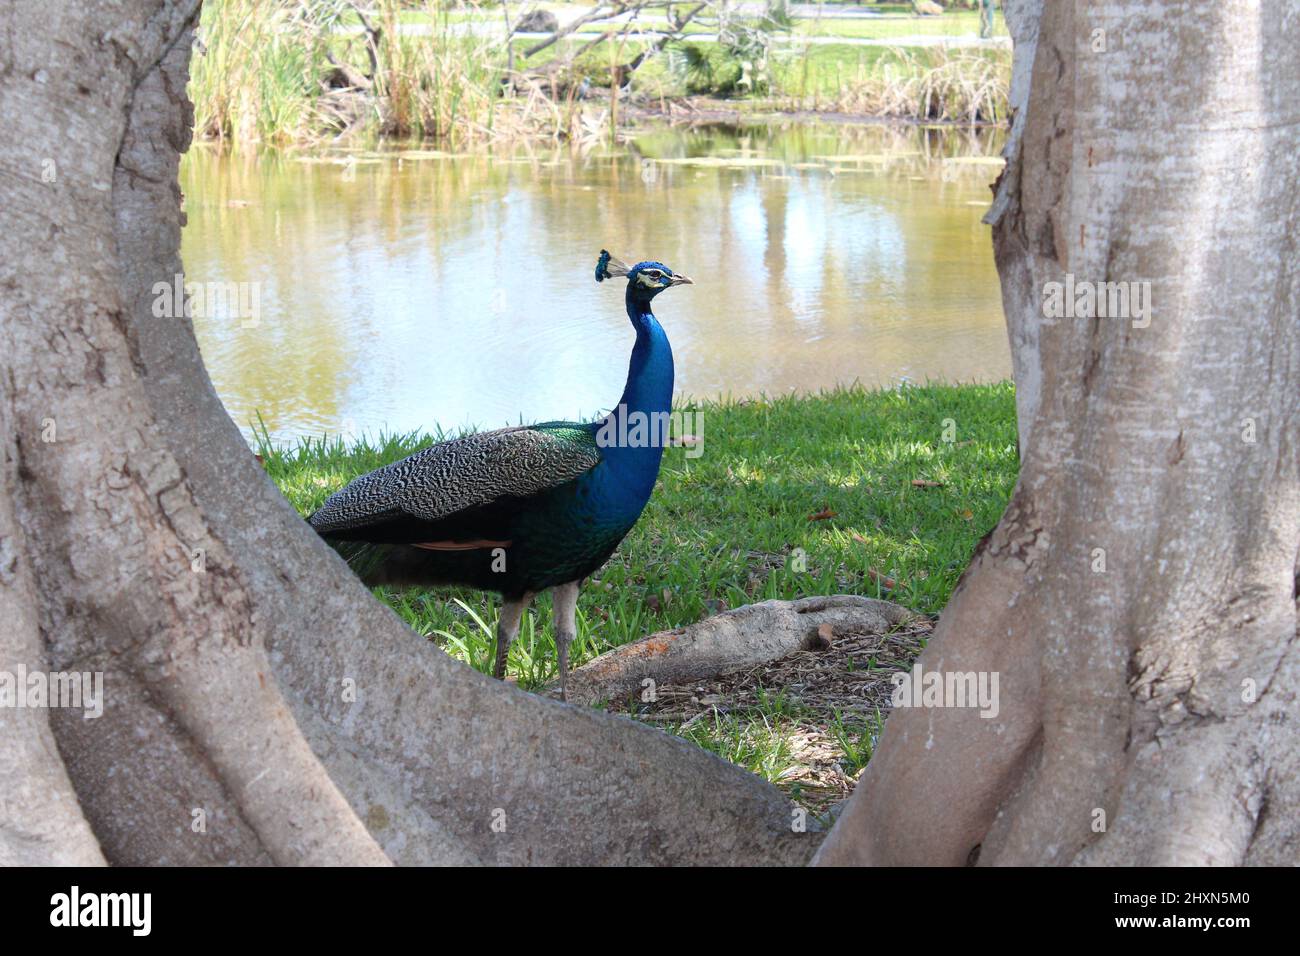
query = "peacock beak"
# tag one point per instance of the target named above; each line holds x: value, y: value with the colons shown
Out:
x: 681, y: 280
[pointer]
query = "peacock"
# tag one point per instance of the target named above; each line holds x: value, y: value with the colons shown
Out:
x: 519, y: 510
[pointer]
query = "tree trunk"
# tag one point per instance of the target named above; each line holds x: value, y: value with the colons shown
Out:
x: 260, y: 706
x: 1139, y: 596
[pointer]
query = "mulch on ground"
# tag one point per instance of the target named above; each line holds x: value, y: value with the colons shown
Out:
x: 844, y: 684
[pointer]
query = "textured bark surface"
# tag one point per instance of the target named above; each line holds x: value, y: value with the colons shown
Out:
x: 727, y: 643
x: 108, y: 522
x: 1148, y: 704
x: 1014, y: 256
x: 249, y: 676
x: 40, y: 820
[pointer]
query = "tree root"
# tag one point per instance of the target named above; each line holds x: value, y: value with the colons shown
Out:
x: 728, y: 642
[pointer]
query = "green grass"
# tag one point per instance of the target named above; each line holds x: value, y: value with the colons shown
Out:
x: 954, y: 23
x: 857, y: 740
x: 721, y: 530
x: 760, y: 743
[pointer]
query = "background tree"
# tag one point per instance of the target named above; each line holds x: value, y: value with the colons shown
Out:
x: 261, y: 706
x: 1139, y: 595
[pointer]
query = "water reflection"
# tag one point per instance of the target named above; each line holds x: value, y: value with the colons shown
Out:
x: 411, y: 288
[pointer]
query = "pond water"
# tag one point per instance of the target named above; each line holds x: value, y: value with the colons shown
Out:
x: 408, y: 289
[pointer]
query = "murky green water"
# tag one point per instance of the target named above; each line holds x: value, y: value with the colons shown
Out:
x: 400, y: 291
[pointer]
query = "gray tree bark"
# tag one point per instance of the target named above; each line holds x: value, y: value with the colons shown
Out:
x: 1139, y: 595
x: 251, y: 682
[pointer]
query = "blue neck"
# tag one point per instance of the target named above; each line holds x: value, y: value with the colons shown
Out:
x: 649, y: 385
x: 649, y: 391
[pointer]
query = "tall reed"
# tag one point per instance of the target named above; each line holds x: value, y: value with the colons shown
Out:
x: 441, y: 85
x: 263, y: 73
x: 933, y: 83
x: 254, y: 77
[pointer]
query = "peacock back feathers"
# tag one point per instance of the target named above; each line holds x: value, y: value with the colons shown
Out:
x: 456, y: 476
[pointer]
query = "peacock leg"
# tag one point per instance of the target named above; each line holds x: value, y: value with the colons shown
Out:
x: 512, y: 612
x: 564, y: 602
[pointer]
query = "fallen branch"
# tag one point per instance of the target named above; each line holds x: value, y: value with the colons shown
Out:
x: 622, y: 72
x: 373, y: 35
x: 345, y: 76
x: 600, y: 12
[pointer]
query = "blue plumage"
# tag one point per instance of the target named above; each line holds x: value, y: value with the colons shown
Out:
x: 520, y: 510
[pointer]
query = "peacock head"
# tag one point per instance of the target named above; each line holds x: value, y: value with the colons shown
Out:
x: 645, y: 280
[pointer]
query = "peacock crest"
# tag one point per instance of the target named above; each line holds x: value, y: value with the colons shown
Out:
x: 607, y: 267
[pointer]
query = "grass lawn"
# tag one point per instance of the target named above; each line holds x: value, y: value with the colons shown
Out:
x: 722, y: 530
x: 953, y: 23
